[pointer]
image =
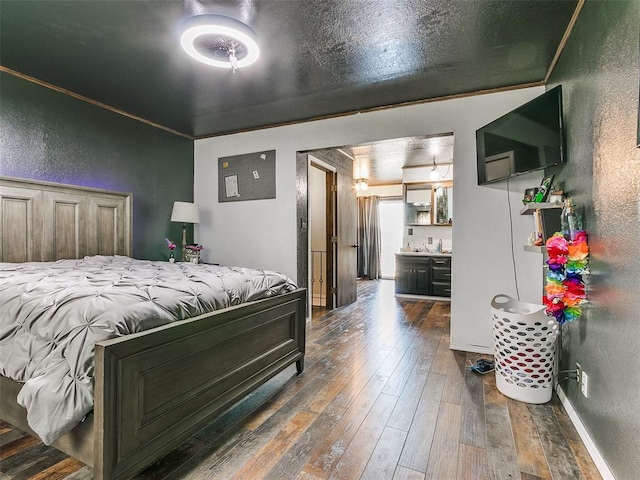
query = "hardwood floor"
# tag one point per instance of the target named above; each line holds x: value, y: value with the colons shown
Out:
x: 382, y: 397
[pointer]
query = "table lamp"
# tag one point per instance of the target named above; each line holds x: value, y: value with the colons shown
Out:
x: 185, y: 212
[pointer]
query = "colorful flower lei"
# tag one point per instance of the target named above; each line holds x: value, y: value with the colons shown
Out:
x: 564, y: 289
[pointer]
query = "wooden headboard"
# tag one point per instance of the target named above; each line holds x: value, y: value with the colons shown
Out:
x: 43, y: 222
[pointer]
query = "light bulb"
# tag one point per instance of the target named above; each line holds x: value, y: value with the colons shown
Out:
x: 434, y: 174
x: 233, y: 60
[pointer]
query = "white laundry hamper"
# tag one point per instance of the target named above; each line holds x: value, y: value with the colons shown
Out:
x: 524, y: 341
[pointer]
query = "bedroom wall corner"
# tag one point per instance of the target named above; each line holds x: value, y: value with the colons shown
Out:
x: 599, y: 71
x: 46, y: 135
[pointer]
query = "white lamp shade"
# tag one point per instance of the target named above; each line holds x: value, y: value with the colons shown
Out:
x: 185, y: 212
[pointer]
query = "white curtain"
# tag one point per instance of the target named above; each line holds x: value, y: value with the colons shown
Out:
x: 369, y: 237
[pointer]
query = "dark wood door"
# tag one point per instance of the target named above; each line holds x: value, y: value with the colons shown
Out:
x: 404, y: 276
x: 346, y: 245
x: 413, y: 275
x: 422, y: 280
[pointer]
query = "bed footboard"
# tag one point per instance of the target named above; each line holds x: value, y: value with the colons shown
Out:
x: 154, y: 389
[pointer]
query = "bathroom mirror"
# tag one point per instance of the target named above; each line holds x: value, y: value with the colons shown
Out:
x: 429, y: 204
x: 443, y: 205
x: 418, y: 202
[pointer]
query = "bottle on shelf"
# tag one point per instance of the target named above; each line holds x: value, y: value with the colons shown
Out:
x: 570, y: 220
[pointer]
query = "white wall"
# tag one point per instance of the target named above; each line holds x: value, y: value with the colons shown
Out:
x: 381, y: 191
x: 421, y: 234
x: 317, y: 208
x: 262, y: 233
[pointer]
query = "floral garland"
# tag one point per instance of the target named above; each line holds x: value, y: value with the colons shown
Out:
x: 564, y: 288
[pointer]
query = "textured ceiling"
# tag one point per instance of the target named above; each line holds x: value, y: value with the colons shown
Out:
x: 382, y: 162
x: 319, y: 57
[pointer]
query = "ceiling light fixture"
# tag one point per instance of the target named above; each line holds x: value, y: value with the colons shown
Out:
x: 362, y: 184
x: 220, y: 41
x: 434, y: 174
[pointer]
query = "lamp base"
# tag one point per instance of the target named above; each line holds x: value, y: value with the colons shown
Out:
x: 184, y: 242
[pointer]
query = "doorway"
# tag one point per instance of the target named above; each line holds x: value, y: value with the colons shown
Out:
x: 340, y: 287
x: 320, y: 236
x: 391, y: 231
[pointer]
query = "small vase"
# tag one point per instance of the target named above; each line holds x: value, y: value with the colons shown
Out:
x: 172, y: 258
x: 570, y: 220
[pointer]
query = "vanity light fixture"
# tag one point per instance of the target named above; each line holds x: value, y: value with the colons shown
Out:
x: 362, y: 184
x: 219, y: 41
x: 434, y: 174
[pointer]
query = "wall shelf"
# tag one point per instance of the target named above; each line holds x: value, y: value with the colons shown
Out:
x: 546, y: 222
x: 531, y: 207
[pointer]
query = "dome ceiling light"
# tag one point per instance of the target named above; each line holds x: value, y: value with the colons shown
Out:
x: 434, y: 174
x: 219, y: 41
x: 362, y: 184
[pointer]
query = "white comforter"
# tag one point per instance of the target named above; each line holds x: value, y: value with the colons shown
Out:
x: 53, y: 314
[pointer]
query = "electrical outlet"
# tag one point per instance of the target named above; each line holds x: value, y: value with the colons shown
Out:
x: 584, y: 384
x: 578, y: 373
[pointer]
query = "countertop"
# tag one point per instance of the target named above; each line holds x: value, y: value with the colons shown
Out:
x: 423, y: 254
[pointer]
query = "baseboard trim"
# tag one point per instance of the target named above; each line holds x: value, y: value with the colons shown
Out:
x: 471, y: 348
x: 423, y: 297
x: 601, y: 465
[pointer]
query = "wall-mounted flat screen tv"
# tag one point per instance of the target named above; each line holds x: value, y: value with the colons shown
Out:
x: 529, y: 138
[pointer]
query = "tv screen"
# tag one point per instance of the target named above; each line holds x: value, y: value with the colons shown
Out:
x: 529, y: 138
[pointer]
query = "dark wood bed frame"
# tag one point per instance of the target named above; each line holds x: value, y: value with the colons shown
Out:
x: 155, y: 388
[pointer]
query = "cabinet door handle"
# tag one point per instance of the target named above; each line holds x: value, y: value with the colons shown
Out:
x: 439, y: 262
x: 447, y: 290
x: 447, y: 274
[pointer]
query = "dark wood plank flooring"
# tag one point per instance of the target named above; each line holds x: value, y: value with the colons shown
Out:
x: 382, y: 397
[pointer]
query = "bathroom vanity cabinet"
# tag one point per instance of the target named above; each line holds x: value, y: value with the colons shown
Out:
x: 422, y: 273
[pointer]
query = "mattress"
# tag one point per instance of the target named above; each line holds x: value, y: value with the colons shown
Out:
x: 52, y: 315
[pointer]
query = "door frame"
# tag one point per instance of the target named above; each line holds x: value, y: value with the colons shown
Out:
x: 335, y: 161
x: 329, y: 286
x: 400, y: 200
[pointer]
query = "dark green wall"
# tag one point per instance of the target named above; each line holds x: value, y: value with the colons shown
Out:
x: 598, y: 71
x: 46, y: 135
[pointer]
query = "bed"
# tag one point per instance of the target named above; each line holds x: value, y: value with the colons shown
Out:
x: 152, y: 389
